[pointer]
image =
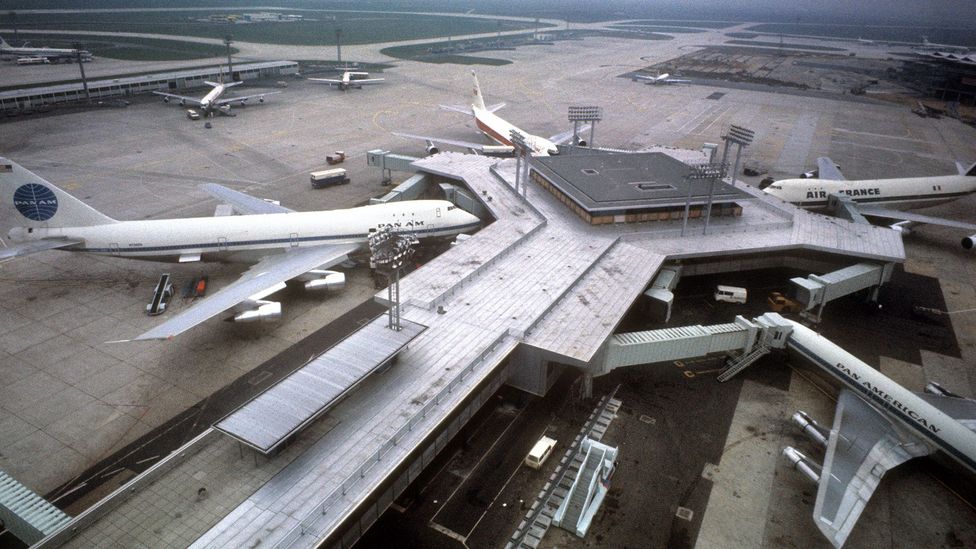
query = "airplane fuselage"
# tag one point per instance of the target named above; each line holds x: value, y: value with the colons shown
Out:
x: 903, y: 193
x: 212, y: 96
x: 906, y: 408
x: 499, y: 130
x: 247, y: 237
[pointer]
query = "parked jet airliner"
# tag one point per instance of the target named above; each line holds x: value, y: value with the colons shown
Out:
x: 879, y: 197
x: 878, y: 425
x: 50, y: 54
x: 496, y: 128
x: 214, y: 101
x: 350, y: 79
x: 282, y: 243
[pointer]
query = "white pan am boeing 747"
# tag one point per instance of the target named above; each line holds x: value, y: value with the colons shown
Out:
x: 877, y: 426
x: 883, y: 198
x: 282, y: 244
x: 497, y: 129
x: 214, y: 100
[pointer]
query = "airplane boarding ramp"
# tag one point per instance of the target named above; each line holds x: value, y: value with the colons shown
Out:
x: 269, y: 419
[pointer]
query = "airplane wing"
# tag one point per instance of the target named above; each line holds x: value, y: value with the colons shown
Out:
x: 366, y: 81
x: 243, y: 203
x: 962, y: 410
x: 863, y: 445
x: 826, y: 169
x: 455, y: 142
x: 329, y: 81
x: 269, y: 273
x: 226, y: 100
x: 877, y: 211
x: 34, y: 246
x: 643, y: 77
x: 677, y: 81
x: 564, y: 137
x: 192, y: 101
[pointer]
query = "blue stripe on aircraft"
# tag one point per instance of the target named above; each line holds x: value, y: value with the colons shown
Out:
x: 227, y: 245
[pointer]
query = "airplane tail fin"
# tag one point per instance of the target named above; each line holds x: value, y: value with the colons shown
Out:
x: 3, y: 43
x: 478, y: 100
x: 971, y: 171
x: 38, y: 203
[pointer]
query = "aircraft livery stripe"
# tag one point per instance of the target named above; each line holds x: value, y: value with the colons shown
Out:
x: 492, y: 133
x: 859, y: 200
x: 840, y: 374
x: 226, y: 245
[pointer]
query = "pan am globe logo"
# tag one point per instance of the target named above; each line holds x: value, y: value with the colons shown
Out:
x: 35, y: 202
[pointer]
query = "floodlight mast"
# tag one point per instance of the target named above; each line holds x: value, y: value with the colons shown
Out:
x: 702, y: 172
x: 389, y: 252
x: 521, y: 160
x: 591, y: 114
x: 742, y: 137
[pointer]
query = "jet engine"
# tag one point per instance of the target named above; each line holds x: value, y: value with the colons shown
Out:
x: 243, y: 101
x: 266, y: 311
x: 431, y: 148
x: 813, y: 430
x: 182, y: 102
x: 261, y: 99
x: 165, y: 99
x: 934, y: 388
x: 969, y: 242
x: 581, y: 143
x: 803, y: 464
x: 322, y: 280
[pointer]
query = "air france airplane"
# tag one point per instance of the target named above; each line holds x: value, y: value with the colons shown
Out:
x: 877, y: 426
x: 282, y: 244
x: 883, y: 198
x: 497, y: 129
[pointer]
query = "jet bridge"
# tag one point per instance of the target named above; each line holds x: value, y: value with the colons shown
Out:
x: 743, y: 341
x: 26, y: 514
x: 815, y: 291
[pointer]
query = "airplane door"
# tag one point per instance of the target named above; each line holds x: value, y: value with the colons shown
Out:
x: 438, y: 212
x: 222, y: 244
x: 293, y: 237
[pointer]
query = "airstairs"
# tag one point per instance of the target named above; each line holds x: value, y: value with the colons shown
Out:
x: 586, y: 493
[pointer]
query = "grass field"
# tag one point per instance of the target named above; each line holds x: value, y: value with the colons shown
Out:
x: 317, y: 30
x: 132, y: 49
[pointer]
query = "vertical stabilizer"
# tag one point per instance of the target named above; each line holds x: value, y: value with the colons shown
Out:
x: 34, y: 202
x: 971, y: 172
x: 478, y: 102
x: 4, y: 44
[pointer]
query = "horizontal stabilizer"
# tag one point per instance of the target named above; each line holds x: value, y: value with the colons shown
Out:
x: 27, y: 248
x: 455, y: 142
x: 243, y: 203
x: 455, y: 108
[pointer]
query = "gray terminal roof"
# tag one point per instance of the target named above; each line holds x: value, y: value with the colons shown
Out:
x: 608, y: 183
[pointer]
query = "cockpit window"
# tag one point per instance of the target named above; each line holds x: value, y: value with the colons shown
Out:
x: 449, y: 208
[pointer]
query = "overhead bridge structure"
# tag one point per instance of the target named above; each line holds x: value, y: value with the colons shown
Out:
x: 534, y: 291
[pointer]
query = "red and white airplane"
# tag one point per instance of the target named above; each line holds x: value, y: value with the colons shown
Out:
x: 497, y: 129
